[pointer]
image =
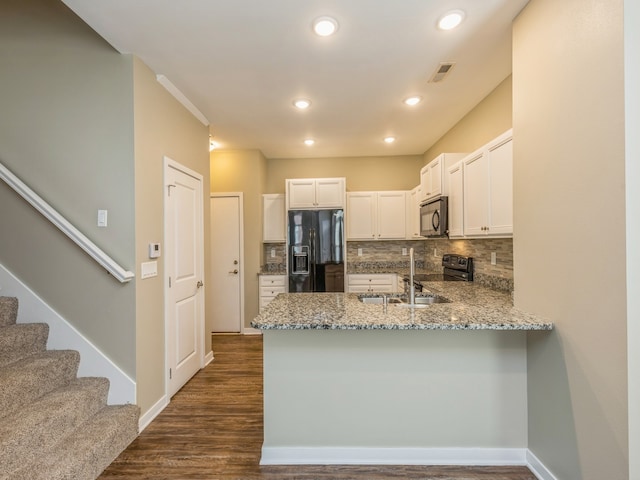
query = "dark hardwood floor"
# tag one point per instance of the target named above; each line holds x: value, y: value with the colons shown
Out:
x: 212, y: 429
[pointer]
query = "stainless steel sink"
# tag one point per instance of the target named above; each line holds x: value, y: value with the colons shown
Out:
x: 429, y: 299
x: 421, y: 301
x: 379, y: 299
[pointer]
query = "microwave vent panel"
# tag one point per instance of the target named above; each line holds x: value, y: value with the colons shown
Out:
x: 441, y: 72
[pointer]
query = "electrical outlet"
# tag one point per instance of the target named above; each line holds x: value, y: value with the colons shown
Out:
x: 493, y: 258
x: 359, y: 252
x: 273, y: 253
x: 435, y: 252
x: 404, y: 250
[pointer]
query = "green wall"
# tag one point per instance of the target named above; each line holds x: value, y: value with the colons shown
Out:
x: 66, y: 129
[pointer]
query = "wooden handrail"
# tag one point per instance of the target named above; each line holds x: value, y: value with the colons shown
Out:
x: 51, y: 214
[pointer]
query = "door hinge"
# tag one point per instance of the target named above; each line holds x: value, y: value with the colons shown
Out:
x: 170, y: 374
x: 169, y: 282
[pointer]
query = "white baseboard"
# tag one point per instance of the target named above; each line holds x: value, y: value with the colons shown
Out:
x: 147, y: 417
x: 208, y: 358
x: 251, y: 331
x: 537, y: 467
x: 63, y: 335
x: 392, y: 456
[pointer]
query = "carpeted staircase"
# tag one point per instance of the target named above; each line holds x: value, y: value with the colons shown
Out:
x: 53, y: 425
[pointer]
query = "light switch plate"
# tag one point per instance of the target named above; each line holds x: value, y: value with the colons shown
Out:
x: 493, y: 258
x: 102, y: 218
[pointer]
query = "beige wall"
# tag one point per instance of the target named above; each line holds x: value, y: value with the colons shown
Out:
x: 362, y: 173
x: 244, y: 171
x: 162, y: 127
x: 491, y: 117
x: 569, y: 206
x: 66, y: 129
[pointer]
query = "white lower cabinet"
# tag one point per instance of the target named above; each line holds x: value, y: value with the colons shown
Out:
x: 270, y: 286
x: 370, y: 283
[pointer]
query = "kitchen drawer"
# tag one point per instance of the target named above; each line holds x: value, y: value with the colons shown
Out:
x: 272, y: 291
x: 368, y: 283
x: 272, y: 280
x: 377, y: 279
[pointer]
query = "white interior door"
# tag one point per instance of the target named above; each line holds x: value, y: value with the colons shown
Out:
x: 227, y: 262
x: 184, y: 265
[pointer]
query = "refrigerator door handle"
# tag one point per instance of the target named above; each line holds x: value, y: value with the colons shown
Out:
x: 312, y: 259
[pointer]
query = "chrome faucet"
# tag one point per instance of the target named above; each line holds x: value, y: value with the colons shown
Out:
x: 412, y: 272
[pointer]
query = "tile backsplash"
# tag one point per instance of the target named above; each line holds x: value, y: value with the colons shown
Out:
x: 479, y: 249
x: 498, y: 276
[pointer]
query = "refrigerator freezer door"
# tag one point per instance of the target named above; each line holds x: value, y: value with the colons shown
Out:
x: 321, y: 234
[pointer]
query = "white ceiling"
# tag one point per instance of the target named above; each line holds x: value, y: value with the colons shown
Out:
x: 242, y: 63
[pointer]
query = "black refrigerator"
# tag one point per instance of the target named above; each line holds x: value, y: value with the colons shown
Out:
x: 315, y: 247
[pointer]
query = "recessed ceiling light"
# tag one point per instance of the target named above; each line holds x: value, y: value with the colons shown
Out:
x: 451, y: 20
x: 302, y: 103
x: 309, y: 141
x: 414, y: 100
x: 325, y: 26
x: 389, y: 139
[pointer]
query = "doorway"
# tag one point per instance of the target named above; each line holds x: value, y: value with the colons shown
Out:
x: 227, y: 261
x: 184, y: 273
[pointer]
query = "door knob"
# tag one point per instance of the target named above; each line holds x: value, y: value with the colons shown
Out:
x: 199, y: 284
x: 235, y: 272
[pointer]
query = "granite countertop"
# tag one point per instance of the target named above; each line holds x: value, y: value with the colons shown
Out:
x: 471, y: 307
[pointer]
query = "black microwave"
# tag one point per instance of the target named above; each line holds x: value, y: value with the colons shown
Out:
x: 434, y: 217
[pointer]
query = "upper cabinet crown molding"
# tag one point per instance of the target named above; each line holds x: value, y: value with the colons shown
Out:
x: 315, y: 193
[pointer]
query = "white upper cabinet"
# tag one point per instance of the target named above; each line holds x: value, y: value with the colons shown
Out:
x: 361, y: 215
x: 273, y: 217
x: 414, y: 198
x: 376, y: 215
x: 488, y: 189
x: 392, y: 214
x: 500, y: 155
x: 455, y: 187
x: 432, y: 181
x: 314, y: 193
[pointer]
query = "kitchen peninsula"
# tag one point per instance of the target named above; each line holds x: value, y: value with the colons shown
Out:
x: 350, y: 382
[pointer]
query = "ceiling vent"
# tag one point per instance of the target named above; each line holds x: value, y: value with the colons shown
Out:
x: 441, y: 72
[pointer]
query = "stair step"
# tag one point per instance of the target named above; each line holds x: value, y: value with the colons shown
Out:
x: 91, y: 449
x: 21, y: 341
x: 28, y: 379
x: 40, y: 426
x: 8, y: 311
